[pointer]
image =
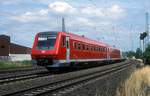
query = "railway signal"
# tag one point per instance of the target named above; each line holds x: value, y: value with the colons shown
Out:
x: 142, y: 37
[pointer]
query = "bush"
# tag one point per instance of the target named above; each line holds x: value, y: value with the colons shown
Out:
x: 14, y: 64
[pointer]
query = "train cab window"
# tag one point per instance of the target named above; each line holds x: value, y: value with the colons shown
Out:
x: 46, y: 41
x: 63, y: 41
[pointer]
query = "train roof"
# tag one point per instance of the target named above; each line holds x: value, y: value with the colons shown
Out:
x: 78, y: 37
x: 84, y: 39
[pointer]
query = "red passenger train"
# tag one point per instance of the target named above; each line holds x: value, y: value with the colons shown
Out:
x: 61, y: 49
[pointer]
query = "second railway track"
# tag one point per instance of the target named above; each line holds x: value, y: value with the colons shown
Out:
x: 7, y: 75
x: 56, y: 86
x: 22, y: 77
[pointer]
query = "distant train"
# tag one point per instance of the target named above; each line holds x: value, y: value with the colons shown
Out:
x: 61, y: 49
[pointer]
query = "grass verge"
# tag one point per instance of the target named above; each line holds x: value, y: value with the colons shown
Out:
x: 14, y: 64
x: 138, y: 84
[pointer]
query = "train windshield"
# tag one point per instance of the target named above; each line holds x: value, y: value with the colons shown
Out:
x: 46, y: 42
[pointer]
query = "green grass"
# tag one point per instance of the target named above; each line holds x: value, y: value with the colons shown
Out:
x: 14, y: 64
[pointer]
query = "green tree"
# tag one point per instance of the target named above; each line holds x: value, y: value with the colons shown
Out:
x: 138, y: 53
x: 131, y: 54
x: 147, y: 54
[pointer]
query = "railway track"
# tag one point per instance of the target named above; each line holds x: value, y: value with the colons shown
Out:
x: 11, y: 74
x: 68, y: 84
x: 18, y: 69
x: 22, y: 77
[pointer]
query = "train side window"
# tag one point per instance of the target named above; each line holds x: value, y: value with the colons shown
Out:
x: 86, y: 47
x: 91, y: 48
x: 63, y: 41
x: 76, y: 45
x: 83, y: 47
x: 97, y: 48
x: 103, y: 49
x: 79, y: 46
x: 94, y: 48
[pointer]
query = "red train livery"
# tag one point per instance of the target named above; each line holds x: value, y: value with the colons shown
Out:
x: 62, y: 49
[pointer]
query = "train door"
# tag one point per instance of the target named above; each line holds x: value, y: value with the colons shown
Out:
x: 67, y: 49
x: 108, y: 54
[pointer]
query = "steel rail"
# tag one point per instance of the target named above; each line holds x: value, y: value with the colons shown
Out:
x: 51, y: 87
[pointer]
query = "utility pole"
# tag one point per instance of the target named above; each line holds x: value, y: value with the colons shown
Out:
x: 147, y: 29
x: 63, y: 25
x: 131, y: 37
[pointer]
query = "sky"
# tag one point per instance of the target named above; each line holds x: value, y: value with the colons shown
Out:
x: 115, y: 22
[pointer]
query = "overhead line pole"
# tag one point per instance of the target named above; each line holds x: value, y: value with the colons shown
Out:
x: 147, y: 28
x: 63, y: 25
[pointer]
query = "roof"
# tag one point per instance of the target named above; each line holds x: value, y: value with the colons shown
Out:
x: 4, y: 35
x: 86, y: 40
x: 78, y: 37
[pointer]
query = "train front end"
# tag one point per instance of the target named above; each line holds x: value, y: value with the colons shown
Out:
x: 44, y: 49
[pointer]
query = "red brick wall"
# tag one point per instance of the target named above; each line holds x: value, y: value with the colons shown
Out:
x: 18, y: 49
x: 7, y: 48
x: 4, y: 45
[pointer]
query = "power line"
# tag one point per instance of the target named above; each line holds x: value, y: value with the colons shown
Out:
x: 93, y: 3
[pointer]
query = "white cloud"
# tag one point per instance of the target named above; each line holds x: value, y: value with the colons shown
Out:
x: 116, y: 9
x: 92, y: 11
x: 80, y: 23
x: 10, y: 2
x: 44, y: 12
x: 61, y: 7
x: 32, y: 16
x: 113, y: 12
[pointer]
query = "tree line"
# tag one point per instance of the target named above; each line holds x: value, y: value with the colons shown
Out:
x: 140, y: 55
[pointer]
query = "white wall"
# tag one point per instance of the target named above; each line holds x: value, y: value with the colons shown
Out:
x: 20, y: 57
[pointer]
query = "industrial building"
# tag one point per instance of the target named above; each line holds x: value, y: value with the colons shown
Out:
x: 12, y: 51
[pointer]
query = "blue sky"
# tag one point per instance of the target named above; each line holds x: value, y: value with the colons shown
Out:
x: 116, y: 22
